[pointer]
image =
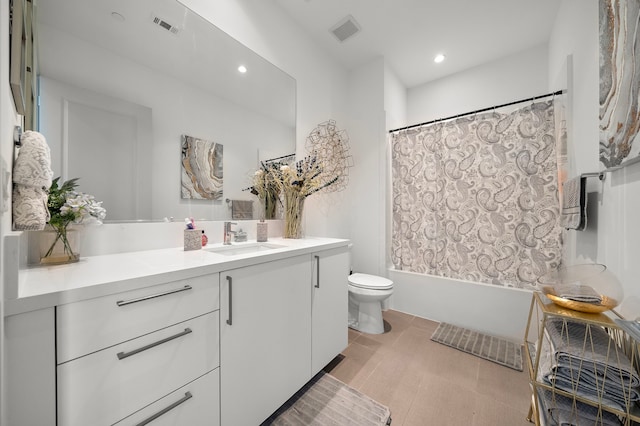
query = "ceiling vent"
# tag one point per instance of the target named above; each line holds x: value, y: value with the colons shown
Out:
x: 346, y: 28
x: 164, y: 24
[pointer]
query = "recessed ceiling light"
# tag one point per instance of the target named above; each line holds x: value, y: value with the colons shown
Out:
x: 242, y: 69
x: 117, y: 16
x: 439, y: 58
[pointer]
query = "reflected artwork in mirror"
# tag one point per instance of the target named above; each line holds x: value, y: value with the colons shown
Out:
x: 201, y: 169
x: 121, y: 82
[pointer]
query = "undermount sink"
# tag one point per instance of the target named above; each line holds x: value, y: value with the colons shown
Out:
x: 234, y: 250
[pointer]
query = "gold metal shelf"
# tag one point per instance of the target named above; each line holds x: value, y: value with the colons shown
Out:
x: 540, y: 311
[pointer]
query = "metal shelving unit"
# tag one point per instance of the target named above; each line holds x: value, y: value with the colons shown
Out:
x: 591, y: 343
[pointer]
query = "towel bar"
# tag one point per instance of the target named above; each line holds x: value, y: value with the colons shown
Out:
x: 599, y: 175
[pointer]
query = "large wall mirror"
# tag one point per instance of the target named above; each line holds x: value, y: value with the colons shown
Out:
x: 121, y: 82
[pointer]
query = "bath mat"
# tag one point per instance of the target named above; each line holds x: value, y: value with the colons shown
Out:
x: 496, y: 349
x: 325, y: 400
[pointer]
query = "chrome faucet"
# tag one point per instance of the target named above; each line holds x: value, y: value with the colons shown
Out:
x: 228, y: 232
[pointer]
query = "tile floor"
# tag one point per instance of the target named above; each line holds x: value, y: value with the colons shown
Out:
x: 425, y: 383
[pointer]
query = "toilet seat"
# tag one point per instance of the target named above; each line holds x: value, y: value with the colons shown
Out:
x: 370, y: 282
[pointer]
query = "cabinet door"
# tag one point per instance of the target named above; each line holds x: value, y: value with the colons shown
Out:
x: 330, y: 306
x: 29, y: 378
x: 265, y: 338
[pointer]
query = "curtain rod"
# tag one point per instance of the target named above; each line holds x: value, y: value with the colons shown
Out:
x: 559, y: 92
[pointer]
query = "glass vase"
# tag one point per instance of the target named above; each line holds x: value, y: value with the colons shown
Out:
x: 293, y: 209
x: 270, y: 205
x: 59, y: 246
x: 590, y: 288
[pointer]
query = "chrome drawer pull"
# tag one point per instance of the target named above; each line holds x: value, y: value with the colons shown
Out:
x: 123, y: 355
x: 165, y: 410
x: 229, y: 320
x: 317, y: 271
x: 152, y: 296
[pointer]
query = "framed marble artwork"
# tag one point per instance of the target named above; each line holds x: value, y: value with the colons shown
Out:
x: 619, y: 82
x: 201, y: 169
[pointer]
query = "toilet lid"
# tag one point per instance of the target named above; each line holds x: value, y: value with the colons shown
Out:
x: 370, y: 281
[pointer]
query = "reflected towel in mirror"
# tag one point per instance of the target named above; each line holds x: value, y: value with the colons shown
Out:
x: 241, y: 209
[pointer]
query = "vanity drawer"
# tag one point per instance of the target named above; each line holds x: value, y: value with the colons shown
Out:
x: 110, y: 384
x: 196, y: 404
x: 91, y: 325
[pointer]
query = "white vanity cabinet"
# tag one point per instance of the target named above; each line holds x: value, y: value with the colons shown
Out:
x: 329, y: 306
x: 168, y: 337
x: 265, y: 337
x: 118, y: 354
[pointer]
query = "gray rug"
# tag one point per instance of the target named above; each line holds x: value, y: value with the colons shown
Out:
x: 325, y: 400
x: 496, y: 349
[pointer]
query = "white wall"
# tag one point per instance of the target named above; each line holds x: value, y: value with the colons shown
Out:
x: 612, y: 231
x: 395, y: 99
x: 395, y: 106
x: 8, y: 119
x: 511, y: 78
x: 368, y: 185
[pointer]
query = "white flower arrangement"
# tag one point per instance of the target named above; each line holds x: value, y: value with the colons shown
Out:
x: 68, y: 206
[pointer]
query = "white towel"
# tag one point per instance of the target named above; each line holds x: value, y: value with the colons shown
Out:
x: 30, y: 212
x: 33, y: 164
x: 32, y: 177
x: 574, y: 204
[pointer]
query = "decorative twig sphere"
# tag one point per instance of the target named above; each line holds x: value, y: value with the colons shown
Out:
x: 331, y: 146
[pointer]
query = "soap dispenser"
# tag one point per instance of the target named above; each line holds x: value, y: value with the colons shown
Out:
x: 262, y: 232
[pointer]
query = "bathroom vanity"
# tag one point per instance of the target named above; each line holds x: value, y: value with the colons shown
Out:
x: 213, y: 336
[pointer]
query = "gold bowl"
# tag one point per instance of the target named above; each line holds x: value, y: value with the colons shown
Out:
x: 589, y: 288
x: 590, y: 308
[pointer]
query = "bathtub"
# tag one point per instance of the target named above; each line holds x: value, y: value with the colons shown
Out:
x: 499, y: 311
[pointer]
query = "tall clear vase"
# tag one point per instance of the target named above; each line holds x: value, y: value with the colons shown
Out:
x: 293, y: 209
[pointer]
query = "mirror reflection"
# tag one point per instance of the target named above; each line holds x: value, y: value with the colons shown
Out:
x: 122, y: 84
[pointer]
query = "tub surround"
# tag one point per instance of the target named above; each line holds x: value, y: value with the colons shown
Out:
x: 130, y: 318
x: 492, y: 309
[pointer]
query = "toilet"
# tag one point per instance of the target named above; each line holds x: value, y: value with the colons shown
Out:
x: 366, y: 294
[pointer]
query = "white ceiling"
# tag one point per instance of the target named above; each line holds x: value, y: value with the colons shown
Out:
x: 409, y: 33
x: 200, y: 54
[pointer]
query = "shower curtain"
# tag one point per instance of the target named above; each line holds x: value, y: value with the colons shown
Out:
x: 476, y: 198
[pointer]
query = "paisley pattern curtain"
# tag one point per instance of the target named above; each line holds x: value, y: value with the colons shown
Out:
x: 477, y: 198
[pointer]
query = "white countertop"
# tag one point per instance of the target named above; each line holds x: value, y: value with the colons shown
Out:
x: 94, y: 276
